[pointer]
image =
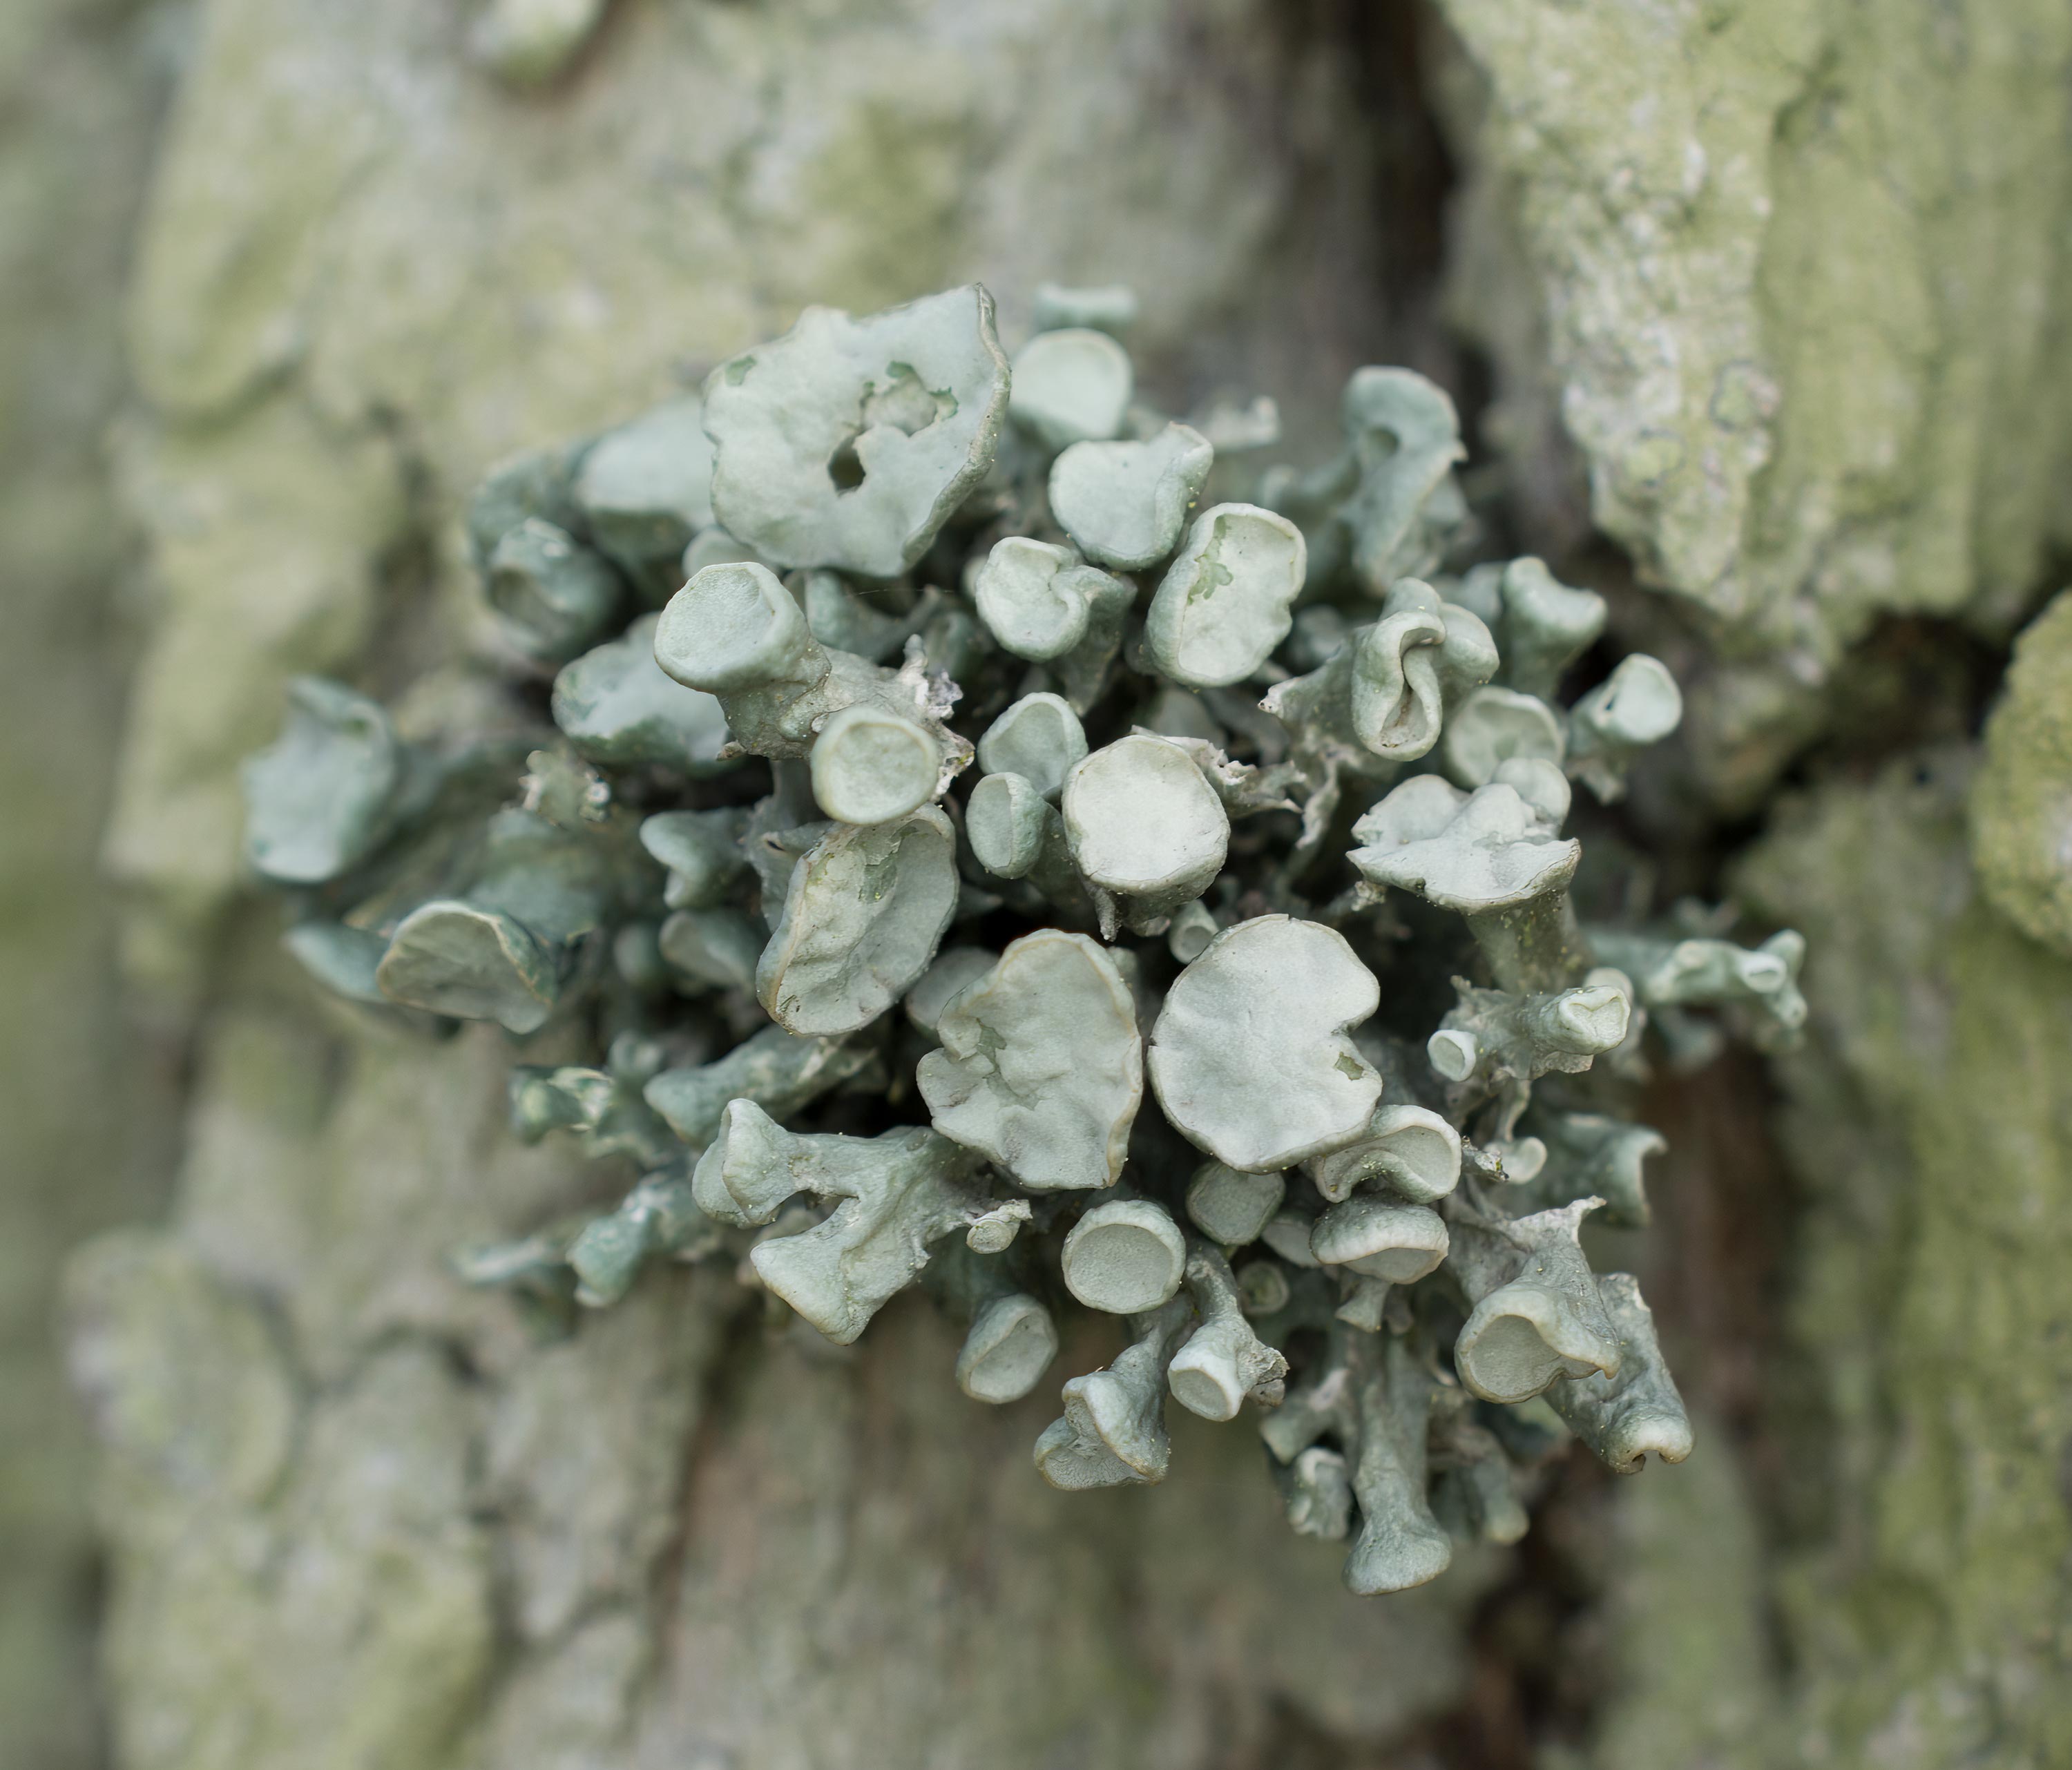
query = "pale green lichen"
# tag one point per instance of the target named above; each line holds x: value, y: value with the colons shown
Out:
x: 1040, y: 1067
x: 1225, y: 602
x: 323, y: 796
x: 1124, y: 504
x: 1250, y: 1056
x: 1070, y: 384
x: 868, y: 1022
x: 848, y: 443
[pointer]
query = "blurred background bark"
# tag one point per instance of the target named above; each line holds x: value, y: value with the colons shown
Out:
x: 1759, y: 316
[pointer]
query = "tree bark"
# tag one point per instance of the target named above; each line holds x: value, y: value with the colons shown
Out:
x: 1790, y: 280
x: 1771, y: 294
x: 84, y: 1107
x: 356, y: 1516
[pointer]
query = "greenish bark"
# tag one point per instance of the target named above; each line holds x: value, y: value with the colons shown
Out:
x: 1783, y: 285
x: 356, y: 1515
x: 1885, y: 1585
x: 2022, y: 813
x: 1791, y: 275
x: 80, y: 87
x: 1923, y: 1587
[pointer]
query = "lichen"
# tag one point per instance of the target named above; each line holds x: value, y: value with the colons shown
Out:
x: 1207, y: 910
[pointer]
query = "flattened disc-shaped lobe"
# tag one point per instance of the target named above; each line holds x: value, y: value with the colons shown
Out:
x: 1224, y: 603
x: 317, y: 799
x: 866, y: 911
x: 1041, y: 1068
x: 1071, y: 385
x: 911, y: 400
x: 1140, y: 819
x: 1470, y: 853
x: 1124, y: 503
x: 1039, y: 737
x: 449, y: 957
x: 619, y: 708
x: 1250, y: 1058
x: 870, y: 764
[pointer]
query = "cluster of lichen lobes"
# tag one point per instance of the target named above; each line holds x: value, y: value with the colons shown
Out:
x: 938, y: 759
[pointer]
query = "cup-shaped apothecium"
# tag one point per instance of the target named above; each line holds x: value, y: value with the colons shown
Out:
x: 1010, y: 1344
x: 1071, y: 385
x: 1538, y: 1317
x: 1412, y: 1150
x: 871, y: 764
x: 735, y: 627
x: 1039, y: 601
x: 1124, y: 1256
x: 1370, y: 1235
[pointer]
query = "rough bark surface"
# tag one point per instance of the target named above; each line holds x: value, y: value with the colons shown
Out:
x: 1926, y: 1580
x: 1790, y: 277
x: 2022, y: 813
x: 79, y: 91
x: 1791, y: 274
x: 1783, y: 286
x: 357, y: 1517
